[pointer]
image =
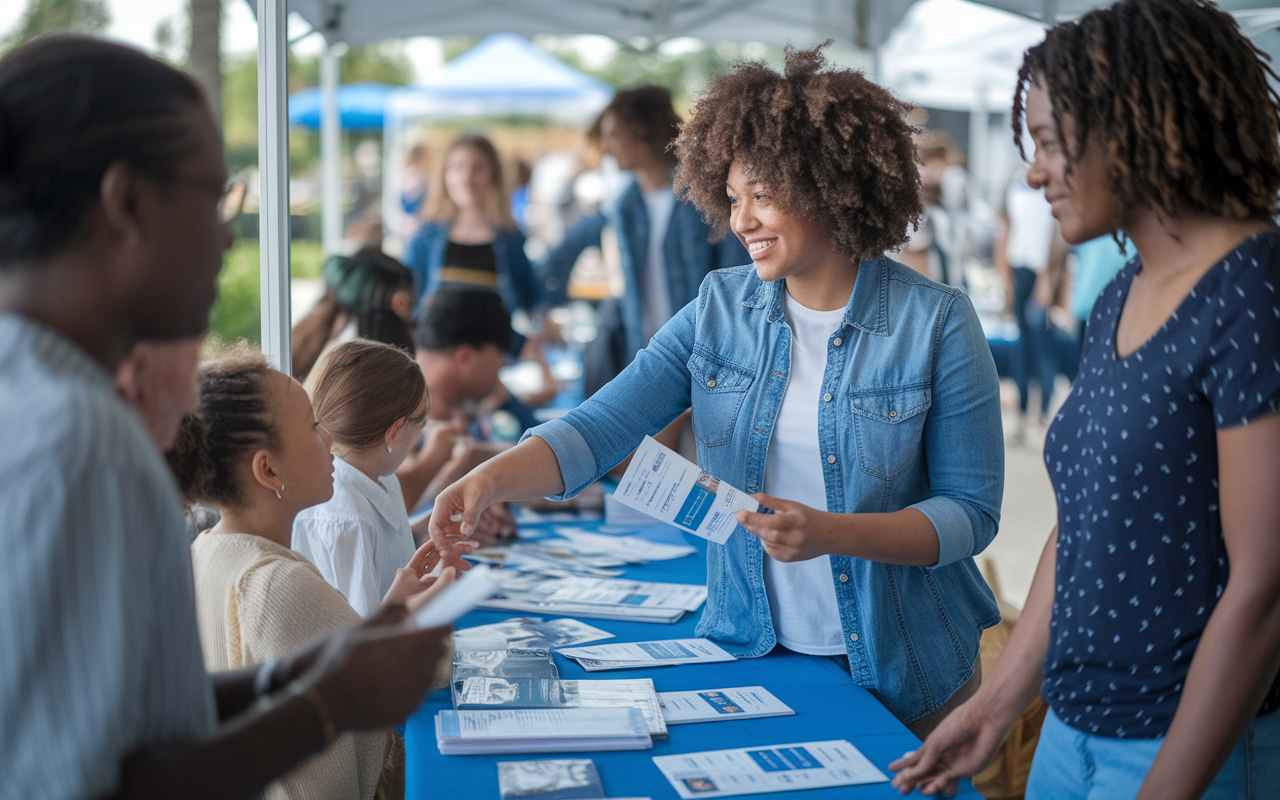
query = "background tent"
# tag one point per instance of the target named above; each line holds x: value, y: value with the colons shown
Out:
x: 361, y: 106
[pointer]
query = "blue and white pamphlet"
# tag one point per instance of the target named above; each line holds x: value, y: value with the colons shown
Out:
x: 638, y: 655
x: 669, y: 487
x: 714, y: 705
x: 772, y: 768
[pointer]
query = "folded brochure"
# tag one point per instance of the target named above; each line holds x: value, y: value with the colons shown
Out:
x: 669, y: 487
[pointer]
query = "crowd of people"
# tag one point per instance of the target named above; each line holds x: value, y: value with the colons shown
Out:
x: 855, y: 397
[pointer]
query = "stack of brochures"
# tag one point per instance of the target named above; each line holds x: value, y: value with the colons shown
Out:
x: 555, y: 730
x: 595, y: 598
x: 520, y: 677
x: 714, y: 705
x: 638, y: 694
x: 562, y: 779
x: 638, y: 655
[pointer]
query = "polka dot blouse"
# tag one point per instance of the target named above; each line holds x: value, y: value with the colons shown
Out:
x: 1134, y: 462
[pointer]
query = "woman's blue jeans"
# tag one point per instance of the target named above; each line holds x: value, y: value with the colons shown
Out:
x: 1072, y: 765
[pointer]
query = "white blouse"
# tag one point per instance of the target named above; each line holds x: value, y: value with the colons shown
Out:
x: 359, y: 538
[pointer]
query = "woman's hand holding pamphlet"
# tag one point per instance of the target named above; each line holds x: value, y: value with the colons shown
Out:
x: 669, y: 487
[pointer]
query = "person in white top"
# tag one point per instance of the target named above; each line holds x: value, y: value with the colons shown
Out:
x: 371, y: 399
x: 254, y: 451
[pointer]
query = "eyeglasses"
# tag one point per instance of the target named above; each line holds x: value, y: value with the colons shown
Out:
x: 232, y: 201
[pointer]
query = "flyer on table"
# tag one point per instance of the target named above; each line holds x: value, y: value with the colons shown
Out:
x: 666, y: 486
x: 773, y: 768
x: 649, y: 654
x: 712, y: 705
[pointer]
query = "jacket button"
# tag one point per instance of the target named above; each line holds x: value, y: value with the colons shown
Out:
x: 844, y: 578
x: 827, y: 397
x: 711, y: 384
x: 893, y: 414
x: 838, y: 341
x: 853, y: 637
x: 831, y: 459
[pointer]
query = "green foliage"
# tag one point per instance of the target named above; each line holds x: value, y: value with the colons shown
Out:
x: 237, y: 314
x: 44, y: 16
x: 383, y: 63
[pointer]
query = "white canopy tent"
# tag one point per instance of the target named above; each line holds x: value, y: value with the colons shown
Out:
x: 859, y: 24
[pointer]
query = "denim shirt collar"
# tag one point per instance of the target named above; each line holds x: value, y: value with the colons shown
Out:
x: 868, y: 307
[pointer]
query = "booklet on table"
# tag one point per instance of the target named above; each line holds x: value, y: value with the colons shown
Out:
x: 560, y: 779
x: 669, y: 487
x: 713, y: 705
x: 773, y: 768
x: 638, y: 655
x: 552, y: 730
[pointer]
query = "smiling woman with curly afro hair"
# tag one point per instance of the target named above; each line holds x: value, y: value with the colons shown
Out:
x: 848, y: 394
x: 830, y: 145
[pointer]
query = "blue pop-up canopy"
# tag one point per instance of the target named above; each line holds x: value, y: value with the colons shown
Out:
x: 360, y: 106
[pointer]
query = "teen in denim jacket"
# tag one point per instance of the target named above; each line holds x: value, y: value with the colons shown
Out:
x: 859, y: 391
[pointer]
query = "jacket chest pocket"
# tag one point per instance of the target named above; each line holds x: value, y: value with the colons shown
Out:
x: 716, y: 396
x: 889, y: 424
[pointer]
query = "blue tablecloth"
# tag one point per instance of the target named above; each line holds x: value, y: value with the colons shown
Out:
x: 827, y: 703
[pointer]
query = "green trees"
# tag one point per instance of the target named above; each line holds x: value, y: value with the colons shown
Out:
x: 44, y: 16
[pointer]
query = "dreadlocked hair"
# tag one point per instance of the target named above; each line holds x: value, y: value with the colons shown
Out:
x: 1177, y: 96
x: 233, y: 417
x: 830, y: 145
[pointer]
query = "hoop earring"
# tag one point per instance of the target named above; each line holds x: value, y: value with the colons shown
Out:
x: 278, y: 491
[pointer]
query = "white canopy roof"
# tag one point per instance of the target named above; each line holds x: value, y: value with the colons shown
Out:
x: 956, y: 54
x: 852, y: 23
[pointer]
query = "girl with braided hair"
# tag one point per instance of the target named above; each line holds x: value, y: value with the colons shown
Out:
x: 851, y: 395
x: 1153, y: 628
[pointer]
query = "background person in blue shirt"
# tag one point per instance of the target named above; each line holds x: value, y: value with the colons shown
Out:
x: 853, y: 396
x: 664, y: 246
x: 469, y: 236
x: 1153, y: 626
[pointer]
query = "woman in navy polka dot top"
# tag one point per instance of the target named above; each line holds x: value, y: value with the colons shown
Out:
x: 1153, y: 625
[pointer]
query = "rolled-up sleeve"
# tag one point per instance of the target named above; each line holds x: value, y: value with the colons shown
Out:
x: 964, y: 441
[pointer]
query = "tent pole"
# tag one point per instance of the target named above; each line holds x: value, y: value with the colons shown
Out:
x: 273, y: 172
x: 330, y: 150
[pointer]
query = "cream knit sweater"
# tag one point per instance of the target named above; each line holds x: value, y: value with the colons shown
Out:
x: 257, y: 600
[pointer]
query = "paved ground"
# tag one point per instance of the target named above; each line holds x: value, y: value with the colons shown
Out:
x: 1028, y: 514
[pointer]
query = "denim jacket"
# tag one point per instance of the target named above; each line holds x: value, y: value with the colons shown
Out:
x: 909, y: 418
x: 687, y: 254
x: 516, y: 282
